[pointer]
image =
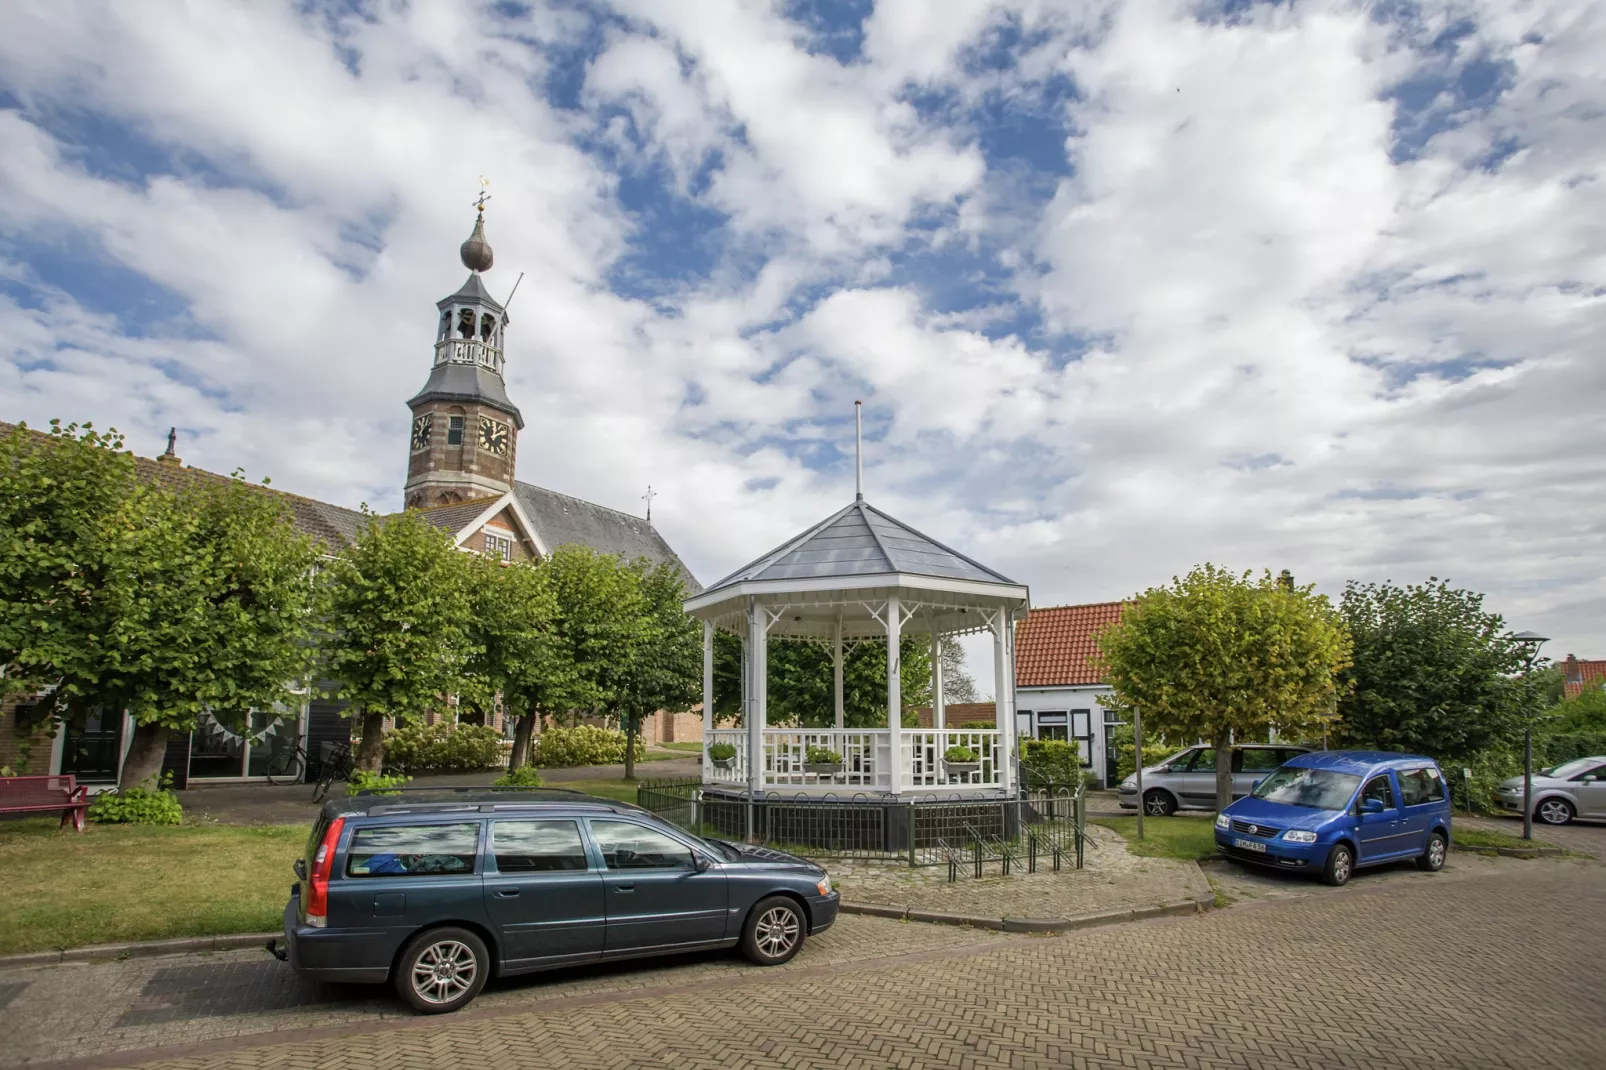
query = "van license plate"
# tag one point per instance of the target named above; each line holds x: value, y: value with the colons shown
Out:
x: 1249, y: 845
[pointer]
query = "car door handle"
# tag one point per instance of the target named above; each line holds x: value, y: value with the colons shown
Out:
x: 624, y: 887
x: 507, y: 893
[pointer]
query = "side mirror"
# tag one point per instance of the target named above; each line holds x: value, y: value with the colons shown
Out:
x: 1256, y: 785
x: 301, y: 868
x: 1371, y: 806
x: 1590, y: 779
x: 701, y: 862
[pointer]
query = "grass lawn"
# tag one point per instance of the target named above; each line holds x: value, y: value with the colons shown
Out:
x: 141, y: 882
x: 1466, y: 837
x: 621, y: 789
x: 1186, y: 838
x: 694, y: 746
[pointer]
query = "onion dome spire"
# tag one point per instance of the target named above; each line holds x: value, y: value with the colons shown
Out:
x: 476, y: 252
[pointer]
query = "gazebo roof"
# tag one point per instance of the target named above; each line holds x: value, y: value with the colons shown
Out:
x: 860, y: 540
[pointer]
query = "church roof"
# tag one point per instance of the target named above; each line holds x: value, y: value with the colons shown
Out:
x: 453, y: 516
x: 560, y: 519
x: 861, y: 540
x: 472, y: 290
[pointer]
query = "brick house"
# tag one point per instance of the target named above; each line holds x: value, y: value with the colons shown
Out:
x: 1059, y: 681
x: 462, y: 444
x: 1579, y: 676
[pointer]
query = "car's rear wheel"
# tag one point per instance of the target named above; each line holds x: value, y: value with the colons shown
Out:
x: 442, y: 969
x: 1432, y: 859
x: 1340, y: 865
x: 1554, y: 811
x: 1159, y: 803
x: 774, y: 931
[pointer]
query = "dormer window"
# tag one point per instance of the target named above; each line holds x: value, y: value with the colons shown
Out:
x: 498, y: 547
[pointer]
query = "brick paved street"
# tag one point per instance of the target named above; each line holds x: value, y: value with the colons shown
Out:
x: 1493, y: 963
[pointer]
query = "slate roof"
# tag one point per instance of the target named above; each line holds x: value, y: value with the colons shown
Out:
x: 560, y: 520
x: 861, y: 540
x: 1580, y: 675
x: 1057, y: 646
x: 453, y: 516
x: 467, y: 382
x: 471, y: 290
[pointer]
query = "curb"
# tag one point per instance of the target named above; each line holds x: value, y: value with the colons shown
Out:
x: 1034, y: 925
x: 183, y: 945
x: 1511, y: 852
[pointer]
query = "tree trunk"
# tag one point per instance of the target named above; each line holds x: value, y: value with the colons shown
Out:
x: 1223, y: 769
x: 143, y: 765
x: 371, y: 756
x: 522, y: 731
x: 630, y: 746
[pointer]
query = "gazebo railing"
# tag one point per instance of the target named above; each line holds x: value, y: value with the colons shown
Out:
x: 866, y: 758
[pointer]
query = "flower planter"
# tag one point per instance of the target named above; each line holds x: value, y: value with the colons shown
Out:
x: 724, y: 763
x: 957, y: 769
x: 822, y: 768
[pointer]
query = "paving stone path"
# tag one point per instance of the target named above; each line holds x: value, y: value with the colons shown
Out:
x: 1493, y: 963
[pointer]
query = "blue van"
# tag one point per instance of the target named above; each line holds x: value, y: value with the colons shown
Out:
x: 1334, y: 811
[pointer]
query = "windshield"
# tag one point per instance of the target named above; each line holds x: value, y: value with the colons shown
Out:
x: 1572, y: 768
x: 1319, y: 789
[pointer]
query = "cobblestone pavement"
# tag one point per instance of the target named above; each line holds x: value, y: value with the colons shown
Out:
x: 1584, y: 836
x: 1397, y: 971
x: 1112, y: 879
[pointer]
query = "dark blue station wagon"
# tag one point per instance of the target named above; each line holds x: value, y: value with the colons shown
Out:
x: 438, y: 892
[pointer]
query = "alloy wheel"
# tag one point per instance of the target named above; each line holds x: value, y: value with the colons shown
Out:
x: 1341, y: 867
x: 777, y: 931
x: 444, y: 971
x: 1436, y: 851
x: 1555, y: 812
x: 1155, y: 805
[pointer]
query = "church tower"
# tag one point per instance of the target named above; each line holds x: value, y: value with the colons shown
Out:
x: 465, y: 429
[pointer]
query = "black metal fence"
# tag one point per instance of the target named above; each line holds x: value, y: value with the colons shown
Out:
x: 1037, y: 828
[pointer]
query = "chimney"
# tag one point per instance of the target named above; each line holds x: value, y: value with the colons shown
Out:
x: 170, y: 455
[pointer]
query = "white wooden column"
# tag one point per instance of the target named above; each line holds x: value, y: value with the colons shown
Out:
x: 708, y: 695
x: 1002, y: 712
x: 836, y: 672
x: 938, y: 712
x: 894, y: 693
x: 757, y: 670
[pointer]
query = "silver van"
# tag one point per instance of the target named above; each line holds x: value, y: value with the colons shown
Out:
x: 1187, y: 781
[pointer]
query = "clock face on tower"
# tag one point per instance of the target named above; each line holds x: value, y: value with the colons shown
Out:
x: 421, y: 428
x: 494, y: 436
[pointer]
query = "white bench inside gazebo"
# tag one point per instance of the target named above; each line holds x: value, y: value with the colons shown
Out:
x: 860, y: 575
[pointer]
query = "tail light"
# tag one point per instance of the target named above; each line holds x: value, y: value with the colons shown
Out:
x: 316, y: 904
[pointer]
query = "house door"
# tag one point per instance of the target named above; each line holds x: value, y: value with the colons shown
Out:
x: 91, y: 749
x: 1112, y: 761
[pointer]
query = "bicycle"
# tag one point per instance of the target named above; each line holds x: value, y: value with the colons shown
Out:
x: 334, y: 764
x: 286, y: 766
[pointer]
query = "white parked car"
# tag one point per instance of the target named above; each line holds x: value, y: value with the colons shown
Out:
x: 1571, y: 789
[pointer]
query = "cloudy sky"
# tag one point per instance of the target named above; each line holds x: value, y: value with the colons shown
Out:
x: 1124, y: 287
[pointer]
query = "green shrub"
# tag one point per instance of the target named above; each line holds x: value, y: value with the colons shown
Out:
x: 1565, y: 746
x: 822, y: 756
x: 525, y: 776
x: 364, y: 780
x: 443, y: 748
x: 959, y: 754
x: 975, y: 725
x: 1154, y: 751
x: 582, y: 745
x: 1051, y: 764
x: 722, y: 752
x: 138, y: 806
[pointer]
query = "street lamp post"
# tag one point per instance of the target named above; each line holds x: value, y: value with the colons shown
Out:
x: 1531, y: 642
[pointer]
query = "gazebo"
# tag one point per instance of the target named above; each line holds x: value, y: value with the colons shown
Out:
x: 860, y: 574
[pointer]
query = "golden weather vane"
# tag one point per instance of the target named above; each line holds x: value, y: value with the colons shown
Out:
x: 479, y: 202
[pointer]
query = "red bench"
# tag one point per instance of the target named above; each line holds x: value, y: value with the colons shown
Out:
x: 28, y: 794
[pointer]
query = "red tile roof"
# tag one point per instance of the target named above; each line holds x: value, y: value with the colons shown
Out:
x: 1055, y: 646
x: 1581, y: 675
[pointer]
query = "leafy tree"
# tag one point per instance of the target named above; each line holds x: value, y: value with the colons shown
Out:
x: 1434, y: 672
x: 801, y: 681
x: 663, y: 670
x: 957, y: 685
x: 123, y: 595
x: 1215, y: 654
x: 517, y: 650
x: 601, y: 609
x: 400, y: 607
x: 1584, y: 712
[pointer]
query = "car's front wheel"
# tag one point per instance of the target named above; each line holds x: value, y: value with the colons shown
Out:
x: 1340, y: 865
x: 1554, y: 811
x: 1159, y: 803
x: 1432, y: 859
x: 774, y: 931
x: 440, y: 970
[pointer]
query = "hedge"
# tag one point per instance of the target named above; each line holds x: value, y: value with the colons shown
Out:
x: 443, y: 748
x: 582, y: 745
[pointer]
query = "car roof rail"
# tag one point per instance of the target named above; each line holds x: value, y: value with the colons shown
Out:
x: 463, y: 790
